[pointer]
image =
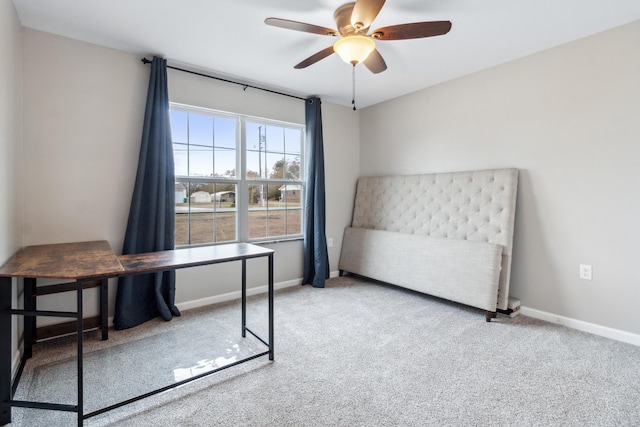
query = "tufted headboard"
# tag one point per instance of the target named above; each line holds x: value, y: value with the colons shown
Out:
x: 474, y: 205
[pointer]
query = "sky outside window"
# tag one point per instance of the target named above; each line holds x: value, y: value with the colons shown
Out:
x: 204, y: 145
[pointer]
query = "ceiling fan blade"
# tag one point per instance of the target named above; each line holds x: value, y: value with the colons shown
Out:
x: 416, y: 30
x: 375, y: 63
x: 315, y: 58
x: 364, y: 12
x: 300, y: 26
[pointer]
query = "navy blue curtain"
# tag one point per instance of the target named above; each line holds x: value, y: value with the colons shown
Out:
x: 316, y: 257
x: 151, y: 223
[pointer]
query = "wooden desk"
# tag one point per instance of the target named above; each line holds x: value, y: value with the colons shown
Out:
x: 90, y: 260
x: 83, y: 260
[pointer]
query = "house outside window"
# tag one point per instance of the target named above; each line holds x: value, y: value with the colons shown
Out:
x: 235, y: 177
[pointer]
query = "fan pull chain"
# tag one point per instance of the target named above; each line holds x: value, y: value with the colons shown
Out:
x: 353, y: 97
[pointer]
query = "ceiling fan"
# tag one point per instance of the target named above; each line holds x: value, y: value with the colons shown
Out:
x: 356, y: 45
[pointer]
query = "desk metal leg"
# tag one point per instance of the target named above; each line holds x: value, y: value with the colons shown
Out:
x: 6, y: 296
x: 79, y: 332
x: 271, y: 353
x: 104, y: 308
x: 244, y: 298
x: 29, y: 321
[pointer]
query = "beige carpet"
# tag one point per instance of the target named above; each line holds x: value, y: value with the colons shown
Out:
x: 353, y: 354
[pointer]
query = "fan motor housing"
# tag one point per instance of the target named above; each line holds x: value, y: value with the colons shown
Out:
x: 342, y: 16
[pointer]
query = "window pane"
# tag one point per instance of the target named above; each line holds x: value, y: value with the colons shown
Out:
x: 179, y: 135
x: 273, y: 152
x: 181, y: 159
x: 225, y: 160
x: 226, y: 226
x: 274, y: 138
x: 182, y: 214
x: 254, y: 131
x: 257, y: 211
x: 254, y: 164
x: 293, y: 138
x: 257, y: 224
x: 200, y: 129
x: 291, y: 194
x: 201, y: 214
x: 224, y: 132
x: 178, y: 120
x: 224, y: 199
x: 205, y: 213
x: 292, y: 168
x: 294, y: 221
x: 200, y: 161
x: 257, y: 196
x: 279, y: 215
x: 276, y: 165
x: 276, y: 219
x: 201, y: 230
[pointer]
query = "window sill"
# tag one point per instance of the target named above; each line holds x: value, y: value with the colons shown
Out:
x: 274, y: 241
x: 254, y: 242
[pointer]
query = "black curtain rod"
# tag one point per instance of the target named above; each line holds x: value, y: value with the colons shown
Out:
x: 244, y: 85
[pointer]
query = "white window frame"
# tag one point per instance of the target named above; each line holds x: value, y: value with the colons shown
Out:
x: 242, y: 182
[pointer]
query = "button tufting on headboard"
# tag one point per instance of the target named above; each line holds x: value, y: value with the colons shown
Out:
x: 476, y: 205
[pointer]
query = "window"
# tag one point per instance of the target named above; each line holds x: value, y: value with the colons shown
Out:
x: 238, y: 178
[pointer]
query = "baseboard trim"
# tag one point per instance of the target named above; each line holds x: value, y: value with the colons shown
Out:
x: 215, y: 299
x: 592, y: 328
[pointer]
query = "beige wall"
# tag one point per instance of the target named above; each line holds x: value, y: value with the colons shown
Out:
x: 83, y: 109
x: 569, y: 119
x: 342, y: 168
x: 10, y: 130
x: 10, y: 139
x: 84, y: 106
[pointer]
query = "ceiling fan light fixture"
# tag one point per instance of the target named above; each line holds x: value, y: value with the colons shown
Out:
x: 354, y: 49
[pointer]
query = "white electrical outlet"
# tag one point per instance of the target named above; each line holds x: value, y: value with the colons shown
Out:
x: 330, y: 242
x: 585, y: 272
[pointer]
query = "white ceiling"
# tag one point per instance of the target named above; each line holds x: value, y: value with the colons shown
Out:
x: 229, y: 37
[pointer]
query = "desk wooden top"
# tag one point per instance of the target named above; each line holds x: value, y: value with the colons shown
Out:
x: 87, y: 260
x: 190, y: 257
x: 81, y: 260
